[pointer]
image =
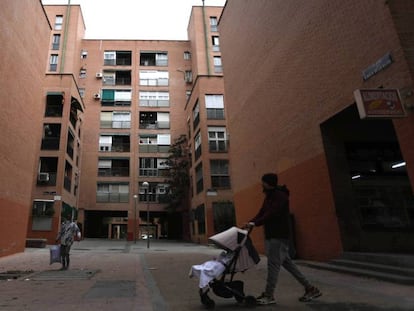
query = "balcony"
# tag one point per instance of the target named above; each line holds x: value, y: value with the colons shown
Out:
x: 116, y: 124
x: 153, y: 172
x: 153, y: 148
x: 113, y: 172
x: 46, y: 179
x: 112, y: 197
x: 118, y: 147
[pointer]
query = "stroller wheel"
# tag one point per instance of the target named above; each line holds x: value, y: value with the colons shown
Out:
x: 207, y: 301
x: 250, y: 301
x: 239, y: 298
x: 210, y: 304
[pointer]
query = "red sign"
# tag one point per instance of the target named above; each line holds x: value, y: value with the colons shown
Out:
x: 379, y: 103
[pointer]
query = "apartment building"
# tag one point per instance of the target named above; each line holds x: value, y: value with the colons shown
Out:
x: 291, y: 109
x: 59, y: 153
x: 112, y: 111
x: 212, y: 208
x: 135, y: 93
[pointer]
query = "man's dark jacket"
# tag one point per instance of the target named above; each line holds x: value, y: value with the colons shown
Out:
x: 274, y: 214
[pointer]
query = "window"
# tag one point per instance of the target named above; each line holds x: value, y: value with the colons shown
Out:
x: 154, y: 120
x: 54, y: 104
x: 187, y: 55
x: 197, y: 145
x: 43, y: 208
x: 51, y: 136
x: 115, y: 119
x: 109, y: 58
x: 47, y: 171
x: 199, y: 178
x: 53, y: 61
x: 213, y: 23
x: 55, y: 42
x: 113, y: 167
x: 153, y: 78
x: 196, y: 114
x: 218, y: 68
x: 70, y: 145
x: 217, y: 139
x: 58, y: 22
x: 84, y: 54
x: 117, y: 58
x: 108, y: 78
x: 153, y: 59
x: 152, y: 167
x: 199, y: 215
x: 224, y: 216
x: 188, y: 76
x: 112, y: 193
x: 111, y: 97
x: 220, y: 173
x: 215, y: 107
x: 82, y: 92
x: 82, y: 73
x: 154, y: 143
x: 216, y: 43
x: 154, y: 99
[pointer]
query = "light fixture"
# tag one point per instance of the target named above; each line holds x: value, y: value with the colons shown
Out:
x: 356, y: 176
x: 399, y: 164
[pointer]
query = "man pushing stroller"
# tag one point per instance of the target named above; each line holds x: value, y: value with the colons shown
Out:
x: 274, y: 216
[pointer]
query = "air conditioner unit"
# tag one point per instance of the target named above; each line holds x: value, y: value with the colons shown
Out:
x: 99, y: 75
x: 43, y: 177
x: 97, y: 96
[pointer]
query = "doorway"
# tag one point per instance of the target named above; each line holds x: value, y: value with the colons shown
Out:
x: 371, y: 188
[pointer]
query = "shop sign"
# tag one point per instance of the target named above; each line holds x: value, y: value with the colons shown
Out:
x: 379, y: 103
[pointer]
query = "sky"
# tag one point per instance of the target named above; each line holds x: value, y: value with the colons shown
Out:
x: 137, y: 19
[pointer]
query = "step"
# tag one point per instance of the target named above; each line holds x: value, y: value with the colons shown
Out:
x: 374, y: 267
x: 389, y: 277
x: 400, y: 260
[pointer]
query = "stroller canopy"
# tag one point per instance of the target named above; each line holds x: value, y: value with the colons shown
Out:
x: 235, y: 239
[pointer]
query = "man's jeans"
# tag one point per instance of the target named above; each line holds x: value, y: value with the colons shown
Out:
x: 277, y: 252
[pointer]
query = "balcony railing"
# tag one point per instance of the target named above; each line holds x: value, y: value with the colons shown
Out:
x: 153, y: 172
x: 218, y: 146
x: 112, y: 197
x: 119, y: 147
x: 150, y: 148
x: 114, y: 171
x: 154, y: 124
x: 154, y: 103
x: 50, y: 143
x: 116, y: 124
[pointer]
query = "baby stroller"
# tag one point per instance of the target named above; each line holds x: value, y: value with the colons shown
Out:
x: 238, y: 256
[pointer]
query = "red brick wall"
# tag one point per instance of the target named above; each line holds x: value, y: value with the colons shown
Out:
x: 299, y: 65
x: 20, y: 94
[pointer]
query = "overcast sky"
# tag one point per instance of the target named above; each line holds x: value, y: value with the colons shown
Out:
x: 137, y: 19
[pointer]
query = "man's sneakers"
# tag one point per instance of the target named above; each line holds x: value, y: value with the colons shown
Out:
x: 265, y: 299
x: 310, y: 293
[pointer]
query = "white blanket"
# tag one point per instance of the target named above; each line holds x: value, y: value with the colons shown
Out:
x: 210, y: 270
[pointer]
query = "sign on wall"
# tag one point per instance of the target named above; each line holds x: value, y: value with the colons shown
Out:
x: 379, y: 103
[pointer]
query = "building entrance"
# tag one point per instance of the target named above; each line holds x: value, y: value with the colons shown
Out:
x: 106, y: 224
x: 372, y: 192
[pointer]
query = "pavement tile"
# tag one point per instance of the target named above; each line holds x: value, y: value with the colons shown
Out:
x: 120, y: 275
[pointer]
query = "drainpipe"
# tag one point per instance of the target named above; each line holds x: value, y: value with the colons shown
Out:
x: 65, y: 38
x: 206, y: 40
